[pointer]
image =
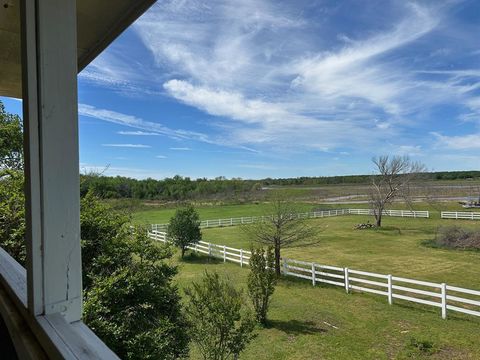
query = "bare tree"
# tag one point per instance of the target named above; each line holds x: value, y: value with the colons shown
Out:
x: 394, y: 178
x: 282, y: 228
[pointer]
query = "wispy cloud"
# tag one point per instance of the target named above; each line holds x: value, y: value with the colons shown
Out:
x: 161, y: 157
x: 138, y: 133
x: 140, y: 146
x: 462, y: 142
x: 274, y: 78
x: 138, y: 123
x: 294, y: 96
x: 180, y: 149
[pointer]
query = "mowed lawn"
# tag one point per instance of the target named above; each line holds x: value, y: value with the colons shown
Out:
x: 395, y: 249
x: 324, y: 322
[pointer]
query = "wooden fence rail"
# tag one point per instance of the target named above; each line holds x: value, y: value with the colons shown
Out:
x: 442, y: 296
x: 309, y: 215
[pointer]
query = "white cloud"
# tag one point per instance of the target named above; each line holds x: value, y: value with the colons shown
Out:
x: 138, y: 133
x: 140, y: 146
x: 180, y: 149
x: 277, y: 80
x: 279, y: 87
x: 135, y: 122
x: 269, y: 123
x: 460, y: 142
x: 161, y: 157
x: 410, y: 150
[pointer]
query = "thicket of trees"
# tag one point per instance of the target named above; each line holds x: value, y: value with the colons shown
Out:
x: 176, y: 188
x: 181, y: 188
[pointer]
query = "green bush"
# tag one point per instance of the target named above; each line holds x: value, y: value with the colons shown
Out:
x: 221, y: 325
x: 136, y: 309
x: 261, y: 281
x: 12, y: 214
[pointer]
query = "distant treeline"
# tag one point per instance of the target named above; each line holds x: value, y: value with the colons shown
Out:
x: 183, y: 188
x: 176, y: 188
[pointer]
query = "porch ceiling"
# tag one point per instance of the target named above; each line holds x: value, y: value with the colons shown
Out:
x: 99, y: 22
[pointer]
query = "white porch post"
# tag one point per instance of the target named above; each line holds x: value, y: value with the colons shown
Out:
x: 49, y: 73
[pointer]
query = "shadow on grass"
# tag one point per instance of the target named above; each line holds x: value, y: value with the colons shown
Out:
x: 295, y: 327
x: 193, y: 258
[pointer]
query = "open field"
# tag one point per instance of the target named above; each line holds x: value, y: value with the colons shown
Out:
x: 160, y: 215
x: 163, y: 215
x: 326, y: 323
x: 395, y: 249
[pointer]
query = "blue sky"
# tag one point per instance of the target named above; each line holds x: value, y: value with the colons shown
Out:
x: 259, y: 88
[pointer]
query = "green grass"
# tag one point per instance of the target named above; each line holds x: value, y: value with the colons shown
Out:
x: 326, y: 323
x: 397, y: 248
x: 163, y: 215
x: 154, y: 214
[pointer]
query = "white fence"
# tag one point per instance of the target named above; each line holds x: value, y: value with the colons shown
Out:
x: 442, y: 296
x: 397, y: 213
x: 312, y: 215
x: 239, y: 256
x: 466, y: 215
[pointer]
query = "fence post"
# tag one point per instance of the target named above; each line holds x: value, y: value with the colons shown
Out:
x: 231, y: 221
x: 285, y: 269
x: 207, y: 223
x: 241, y: 257
x: 444, y: 301
x: 347, y: 283
x: 196, y: 250
x: 390, y: 289
x: 209, y: 249
x: 313, y: 275
x: 224, y: 253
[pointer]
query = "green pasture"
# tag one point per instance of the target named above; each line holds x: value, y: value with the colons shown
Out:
x: 159, y: 215
x: 163, y: 215
x: 324, y: 322
x: 397, y: 248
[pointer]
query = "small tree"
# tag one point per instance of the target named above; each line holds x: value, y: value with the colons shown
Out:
x: 395, y: 175
x: 221, y: 327
x: 282, y: 228
x: 184, y: 228
x: 261, y: 281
